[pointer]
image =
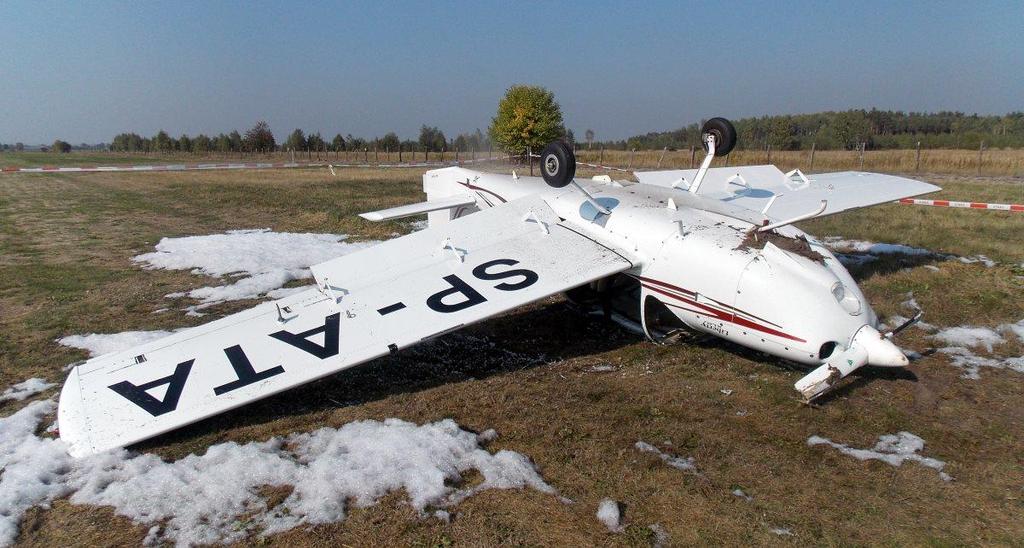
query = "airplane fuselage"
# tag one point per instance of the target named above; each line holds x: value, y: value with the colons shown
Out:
x: 794, y: 300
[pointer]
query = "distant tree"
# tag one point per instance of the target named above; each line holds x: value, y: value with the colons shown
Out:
x: 432, y: 138
x: 162, y: 141
x: 236, y: 140
x: 338, y: 143
x: 528, y: 116
x: 355, y: 143
x: 569, y: 137
x: 184, y: 143
x: 260, y: 138
x: 589, y: 136
x: 461, y: 142
x: 61, y: 146
x: 389, y: 141
x: 780, y: 134
x: 6, y: 146
x: 296, y: 140
x: 201, y: 144
x: 222, y: 143
x: 315, y: 141
x: 19, y: 146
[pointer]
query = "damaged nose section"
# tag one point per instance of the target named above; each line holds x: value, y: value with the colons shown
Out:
x: 868, y: 347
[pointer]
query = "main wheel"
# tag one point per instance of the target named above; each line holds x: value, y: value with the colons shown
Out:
x: 557, y: 164
x: 723, y: 132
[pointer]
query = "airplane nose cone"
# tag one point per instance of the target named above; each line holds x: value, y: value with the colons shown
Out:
x: 881, y: 351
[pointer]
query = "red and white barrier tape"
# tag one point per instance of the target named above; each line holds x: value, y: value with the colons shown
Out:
x: 965, y: 205
x: 246, y: 165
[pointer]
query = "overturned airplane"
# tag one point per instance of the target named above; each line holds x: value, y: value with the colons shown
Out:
x: 711, y: 250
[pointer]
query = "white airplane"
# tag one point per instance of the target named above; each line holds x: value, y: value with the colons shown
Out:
x: 705, y: 250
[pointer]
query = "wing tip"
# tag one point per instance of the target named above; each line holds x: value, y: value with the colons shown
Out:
x: 71, y: 420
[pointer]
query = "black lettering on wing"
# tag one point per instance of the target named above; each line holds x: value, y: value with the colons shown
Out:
x: 137, y: 393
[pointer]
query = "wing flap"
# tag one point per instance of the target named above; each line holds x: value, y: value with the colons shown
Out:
x: 419, y: 208
x: 376, y: 301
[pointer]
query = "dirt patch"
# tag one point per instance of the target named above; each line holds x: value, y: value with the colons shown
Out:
x: 798, y: 246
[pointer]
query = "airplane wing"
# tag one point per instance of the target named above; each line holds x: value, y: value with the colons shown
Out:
x: 368, y: 304
x: 791, y: 194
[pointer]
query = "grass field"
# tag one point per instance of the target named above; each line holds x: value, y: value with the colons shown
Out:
x: 961, y: 162
x: 66, y: 242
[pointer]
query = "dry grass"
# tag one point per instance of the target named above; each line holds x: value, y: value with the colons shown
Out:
x: 65, y: 244
x: 961, y: 162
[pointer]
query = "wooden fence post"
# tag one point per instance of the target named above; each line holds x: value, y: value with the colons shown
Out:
x: 981, y: 147
x: 529, y: 158
x: 861, y: 168
x: 376, y: 158
x: 812, y: 157
x: 631, y: 154
x: 601, y: 161
x: 917, y: 163
x: 768, y: 147
x: 693, y: 155
x: 662, y: 157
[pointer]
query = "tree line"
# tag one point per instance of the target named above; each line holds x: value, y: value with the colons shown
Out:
x: 260, y: 138
x: 850, y: 129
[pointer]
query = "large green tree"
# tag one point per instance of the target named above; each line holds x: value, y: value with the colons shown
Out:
x: 528, y: 116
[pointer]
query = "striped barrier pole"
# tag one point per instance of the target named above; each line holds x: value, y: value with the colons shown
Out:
x: 963, y: 205
x: 218, y: 166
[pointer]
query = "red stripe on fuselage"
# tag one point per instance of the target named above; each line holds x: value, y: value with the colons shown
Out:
x: 726, y: 316
x: 694, y: 294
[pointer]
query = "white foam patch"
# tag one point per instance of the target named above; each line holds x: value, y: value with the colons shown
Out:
x: 265, y: 260
x: 969, y: 336
x: 25, y: 389
x: 99, y: 344
x: 972, y: 363
x: 608, y: 513
x: 892, y: 449
x: 739, y: 493
x: 686, y: 465
x: 872, y: 248
x: 214, y: 497
x: 35, y: 470
x: 1015, y: 328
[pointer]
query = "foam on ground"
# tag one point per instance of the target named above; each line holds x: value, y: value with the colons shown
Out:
x: 892, y: 449
x: 25, y: 389
x: 686, y: 465
x: 967, y: 336
x: 215, y: 497
x: 608, y: 513
x: 872, y: 248
x: 972, y: 363
x: 98, y: 344
x: 265, y: 260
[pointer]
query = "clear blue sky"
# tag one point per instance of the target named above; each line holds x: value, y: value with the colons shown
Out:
x: 86, y: 71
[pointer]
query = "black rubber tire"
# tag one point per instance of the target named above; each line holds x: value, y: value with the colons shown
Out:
x: 557, y: 164
x: 724, y: 132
